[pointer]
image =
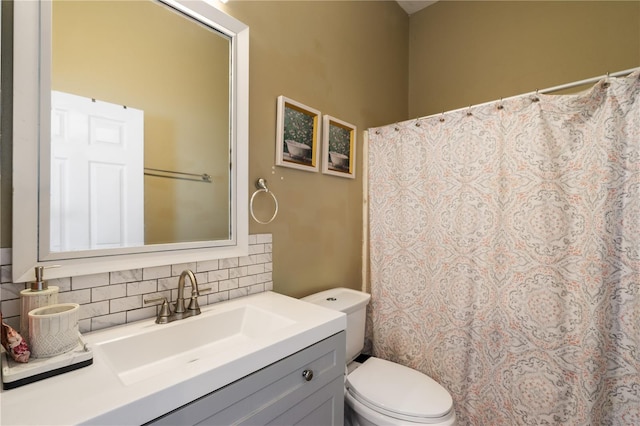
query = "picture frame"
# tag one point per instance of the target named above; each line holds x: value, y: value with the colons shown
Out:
x: 297, y: 135
x: 338, y: 147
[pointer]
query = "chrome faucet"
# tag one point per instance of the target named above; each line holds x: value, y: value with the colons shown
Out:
x: 165, y: 315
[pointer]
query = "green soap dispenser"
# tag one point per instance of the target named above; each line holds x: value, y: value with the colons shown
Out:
x: 37, y: 295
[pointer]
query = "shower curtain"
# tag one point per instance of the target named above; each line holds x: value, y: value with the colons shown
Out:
x: 505, y: 255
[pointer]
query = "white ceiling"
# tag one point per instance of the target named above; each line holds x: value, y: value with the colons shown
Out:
x: 412, y: 6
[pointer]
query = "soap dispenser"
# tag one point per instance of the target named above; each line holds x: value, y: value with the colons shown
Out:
x: 38, y: 295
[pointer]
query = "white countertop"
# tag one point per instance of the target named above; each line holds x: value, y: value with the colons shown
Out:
x: 96, y: 395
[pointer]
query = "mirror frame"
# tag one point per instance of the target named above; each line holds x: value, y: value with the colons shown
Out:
x: 31, y: 124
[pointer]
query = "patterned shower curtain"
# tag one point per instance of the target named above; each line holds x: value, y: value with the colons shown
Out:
x: 505, y: 255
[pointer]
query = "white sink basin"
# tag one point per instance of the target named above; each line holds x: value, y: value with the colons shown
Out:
x: 164, y: 347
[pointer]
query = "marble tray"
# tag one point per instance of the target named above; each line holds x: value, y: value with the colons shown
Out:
x: 16, y: 374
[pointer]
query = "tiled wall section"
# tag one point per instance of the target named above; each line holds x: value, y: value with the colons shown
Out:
x: 115, y: 298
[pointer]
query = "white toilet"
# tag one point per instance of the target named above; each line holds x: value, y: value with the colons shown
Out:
x: 380, y: 392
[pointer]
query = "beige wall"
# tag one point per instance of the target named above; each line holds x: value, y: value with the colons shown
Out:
x: 469, y: 52
x: 346, y: 59
x: 351, y: 60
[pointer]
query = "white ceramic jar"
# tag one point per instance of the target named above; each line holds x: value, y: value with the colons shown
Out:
x: 53, y: 330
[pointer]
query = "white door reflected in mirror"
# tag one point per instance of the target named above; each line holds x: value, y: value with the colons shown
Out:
x: 97, y: 160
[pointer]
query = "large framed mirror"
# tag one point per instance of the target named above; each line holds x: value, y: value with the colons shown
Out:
x: 130, y: 135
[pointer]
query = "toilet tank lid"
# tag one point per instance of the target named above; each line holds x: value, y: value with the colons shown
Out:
x: 339, y: 299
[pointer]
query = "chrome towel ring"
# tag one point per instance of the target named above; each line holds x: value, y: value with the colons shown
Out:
x: 261, y: 184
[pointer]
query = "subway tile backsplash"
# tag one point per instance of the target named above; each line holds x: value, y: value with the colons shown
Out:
x: 115, y: 298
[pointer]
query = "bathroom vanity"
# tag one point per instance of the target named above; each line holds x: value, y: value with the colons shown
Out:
x: 261, y: 359
x: 305, y: 388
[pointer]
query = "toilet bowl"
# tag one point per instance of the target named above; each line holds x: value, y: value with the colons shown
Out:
x: 380, y: 392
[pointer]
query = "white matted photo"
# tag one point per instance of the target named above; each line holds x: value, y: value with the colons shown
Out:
x: 338, y: 147
x: 297, y: 135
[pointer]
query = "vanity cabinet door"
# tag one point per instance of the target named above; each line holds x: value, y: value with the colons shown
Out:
x: 322, y: 408
x: 283, y: 393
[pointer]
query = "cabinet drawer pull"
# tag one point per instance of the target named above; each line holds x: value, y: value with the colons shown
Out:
x: 308, y: 375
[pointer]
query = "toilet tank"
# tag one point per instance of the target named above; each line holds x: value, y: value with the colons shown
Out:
x: 354, y: 304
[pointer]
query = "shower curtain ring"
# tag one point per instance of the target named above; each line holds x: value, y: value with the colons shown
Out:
x: 469, y: 113
x: 535, y: 98
x: 500, y: 105
x: 442, y: 117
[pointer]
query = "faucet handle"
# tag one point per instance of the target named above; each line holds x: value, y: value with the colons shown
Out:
x: 201, y: 291
x: 193, y: 303
x: 156, y: 300
x: 165, y: 309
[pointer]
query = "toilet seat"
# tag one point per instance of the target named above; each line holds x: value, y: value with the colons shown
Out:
x: 399, y: 392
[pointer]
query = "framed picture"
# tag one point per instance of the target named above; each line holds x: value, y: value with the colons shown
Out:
x: 297, y: 136
x: 338, y: 148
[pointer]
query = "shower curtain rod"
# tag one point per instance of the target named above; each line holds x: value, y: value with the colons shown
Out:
x: 543, y: 91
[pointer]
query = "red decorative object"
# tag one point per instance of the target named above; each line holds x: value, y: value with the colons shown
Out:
x: 13, y: 343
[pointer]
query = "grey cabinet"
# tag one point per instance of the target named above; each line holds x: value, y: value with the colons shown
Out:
x: 306, y: 388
